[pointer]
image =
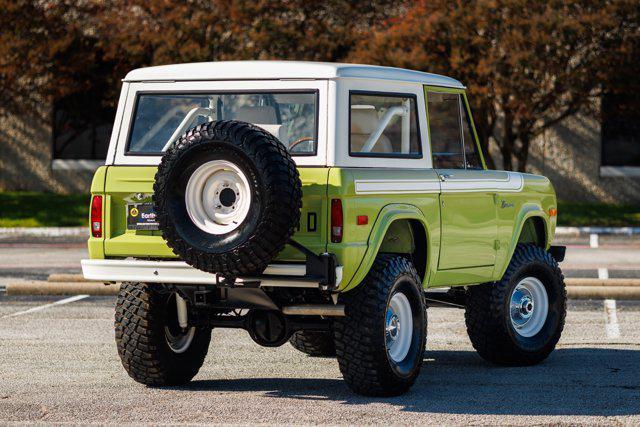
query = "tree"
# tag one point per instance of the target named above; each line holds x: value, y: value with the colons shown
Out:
x: 528, y: 65
x: 53, y: 49
x: 45, y: 51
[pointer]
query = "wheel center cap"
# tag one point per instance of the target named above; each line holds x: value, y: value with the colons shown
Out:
x: 227, y: 197
x: 393, y: 327
x: 526, y: 307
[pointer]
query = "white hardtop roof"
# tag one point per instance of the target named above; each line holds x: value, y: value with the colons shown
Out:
x: 273, y: 70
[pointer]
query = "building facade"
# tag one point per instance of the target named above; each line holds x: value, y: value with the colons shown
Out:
x: 56, y: 149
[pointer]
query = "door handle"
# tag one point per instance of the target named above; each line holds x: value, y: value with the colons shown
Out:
x: 445, y: 176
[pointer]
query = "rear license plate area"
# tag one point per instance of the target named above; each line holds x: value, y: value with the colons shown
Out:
x: 141, y: 216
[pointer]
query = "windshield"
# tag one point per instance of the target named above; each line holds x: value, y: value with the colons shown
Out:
x: 160, y: 119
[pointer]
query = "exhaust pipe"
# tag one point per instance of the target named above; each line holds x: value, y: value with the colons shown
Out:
x: 314, y: 310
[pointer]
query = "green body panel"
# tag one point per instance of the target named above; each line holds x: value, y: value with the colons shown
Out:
x: 536, y: 199
x: 469, y: 240
x: 96, y: 244
x: 465, y: 211
x: 361, y: 243
x: 125, y: 184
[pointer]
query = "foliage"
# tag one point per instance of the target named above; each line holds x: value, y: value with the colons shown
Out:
x: 528, y: 65
x: 52, y: 49
x: 27, y: 209
x: 598, y: 214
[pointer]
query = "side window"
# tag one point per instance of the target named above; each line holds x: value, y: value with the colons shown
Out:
x: 383, y: 125
x: 471, y: 156
x: 445, y: 132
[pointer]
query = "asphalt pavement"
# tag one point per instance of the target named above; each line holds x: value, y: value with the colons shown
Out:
x: 59, y: 364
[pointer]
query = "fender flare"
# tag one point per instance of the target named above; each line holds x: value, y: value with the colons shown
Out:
x: 387, y: 215
x: 527, y: 211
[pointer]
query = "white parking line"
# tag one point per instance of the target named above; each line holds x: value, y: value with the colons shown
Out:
x: 593, y: 240
x: 611, y: 327
x: 603, y: 273
x: 43, y: 307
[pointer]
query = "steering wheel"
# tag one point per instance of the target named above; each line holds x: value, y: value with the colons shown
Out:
x: 300, y: 141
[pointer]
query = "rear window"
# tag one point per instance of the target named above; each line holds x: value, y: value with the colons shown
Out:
x: 160, y: 119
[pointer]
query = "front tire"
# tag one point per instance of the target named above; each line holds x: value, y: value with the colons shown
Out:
x: 154, y: 350
x: 518, y: 320
x: 380, y: 342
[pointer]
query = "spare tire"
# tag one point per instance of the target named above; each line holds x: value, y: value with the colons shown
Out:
x: 227, y: 197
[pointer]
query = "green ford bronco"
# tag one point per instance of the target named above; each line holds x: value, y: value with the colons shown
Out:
x: 327, y: 205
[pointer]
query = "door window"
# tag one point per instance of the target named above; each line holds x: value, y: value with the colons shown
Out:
x: 452, y: 143
x: 445, y: 132
x: 471, y: 156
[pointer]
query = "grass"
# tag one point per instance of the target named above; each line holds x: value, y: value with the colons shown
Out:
x: 598, y: 215
x: 25, y: 209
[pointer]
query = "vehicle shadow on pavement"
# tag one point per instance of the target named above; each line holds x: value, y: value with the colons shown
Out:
x: 573, y: 381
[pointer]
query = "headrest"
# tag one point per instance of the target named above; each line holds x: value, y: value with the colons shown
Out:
x: 364, y: 121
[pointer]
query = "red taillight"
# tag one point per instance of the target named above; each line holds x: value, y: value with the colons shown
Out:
x: 336, y: 221
x: 96, y: 216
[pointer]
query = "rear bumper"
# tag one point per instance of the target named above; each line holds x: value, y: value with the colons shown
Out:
x: 179, y: 272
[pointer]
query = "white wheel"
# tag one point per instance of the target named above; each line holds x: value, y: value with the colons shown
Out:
x: 529, y: 306
x: 398, y: 327
x: 218, y: 197
x: 176, y: 332
x: 180, y: 342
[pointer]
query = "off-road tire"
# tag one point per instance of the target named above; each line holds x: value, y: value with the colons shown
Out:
x: 360, y: 335
x: 487, y: 311
x: 141, y: 342
x: 276, y: 193
x: 314, y: 343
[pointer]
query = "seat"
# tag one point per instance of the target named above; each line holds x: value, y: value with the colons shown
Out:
x: 364, y: 122
x: 263, y: 116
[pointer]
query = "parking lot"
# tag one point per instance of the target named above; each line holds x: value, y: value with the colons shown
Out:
x: 58, y: 363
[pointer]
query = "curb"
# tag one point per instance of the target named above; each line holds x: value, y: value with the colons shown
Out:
x: 75, y: 278
x: 587, y: 282
x: 603, y: 292
x: 578, y: 231
x: 73, y: 284
x: 45, y: 231
x: 37, y: 287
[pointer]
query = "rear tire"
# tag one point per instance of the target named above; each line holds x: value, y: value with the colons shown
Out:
x: 153, y: 349
x: 380, y: 342
x: 518, y: 320
x: 314, y: 343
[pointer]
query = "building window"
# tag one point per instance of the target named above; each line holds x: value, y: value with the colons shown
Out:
x: 620, y: 115
x: 81, y: 130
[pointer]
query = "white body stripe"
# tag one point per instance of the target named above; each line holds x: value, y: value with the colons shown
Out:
x: 396, y: 186
x: 513, y: 182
